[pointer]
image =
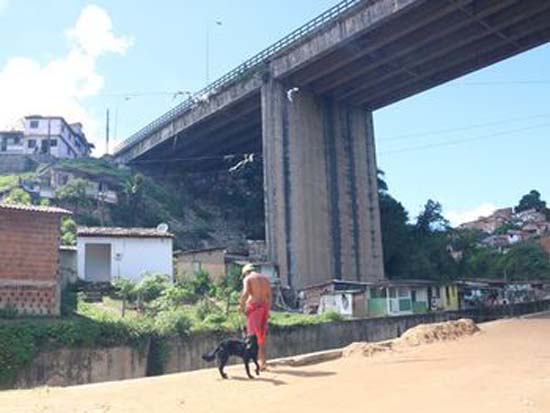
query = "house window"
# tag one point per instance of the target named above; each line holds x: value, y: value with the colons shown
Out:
x: 197, y: 267
x: 33, y: 124
x: 413, y: 296
x: 447, y: 294
x: 31, y: 143
x: 53, y: 142
x: 377, y: 293
x: 403, y: 292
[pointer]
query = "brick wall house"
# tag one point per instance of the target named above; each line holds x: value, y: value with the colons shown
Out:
x: 29, y: 258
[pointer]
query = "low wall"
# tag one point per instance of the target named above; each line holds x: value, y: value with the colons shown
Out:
x: 15, y: 163
x: 184, y: 354
x: 78, y: 366
x: 65, y: 367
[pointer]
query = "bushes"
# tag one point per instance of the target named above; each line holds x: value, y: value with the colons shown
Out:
x: 21, y: 341
x: 172, y: 322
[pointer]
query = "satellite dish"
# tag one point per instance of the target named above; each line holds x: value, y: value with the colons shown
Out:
x: 162, y: 227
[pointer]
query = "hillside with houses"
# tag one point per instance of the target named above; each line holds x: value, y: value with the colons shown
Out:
x: 506, y: 227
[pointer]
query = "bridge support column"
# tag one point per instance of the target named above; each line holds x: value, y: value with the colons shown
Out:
x: 321, y: 195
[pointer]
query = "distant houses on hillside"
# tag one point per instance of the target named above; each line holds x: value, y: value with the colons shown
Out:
x: 46, y: 136
x: 505, y: 228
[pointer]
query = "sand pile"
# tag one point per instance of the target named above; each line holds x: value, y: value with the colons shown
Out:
x: 366, y: 349
x: 429, y: 333
x: 421, y: 334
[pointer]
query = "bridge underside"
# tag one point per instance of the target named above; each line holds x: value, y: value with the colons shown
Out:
x: 422, y: 45
x: 375, y: 54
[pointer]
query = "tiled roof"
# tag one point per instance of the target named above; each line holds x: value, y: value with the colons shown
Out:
x: 122, y: 232
x: 35, y: 208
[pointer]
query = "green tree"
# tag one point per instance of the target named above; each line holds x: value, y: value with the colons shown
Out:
x: 381, y: 180
x: 127, y: 291
x: 74, y: 193
x: 396, y: 235
x: 17, y: 196
x: 531, y: 200
x: 525, y: 260
x: 68, y: 231
x: 482, y: 262
x: 431, y: 218
x: 230, y: 286
x: 134, y: 196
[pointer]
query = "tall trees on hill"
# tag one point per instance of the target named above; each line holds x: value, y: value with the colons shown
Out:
x: 531, y: 200
x: 423, y: 248
x: 414, y: 250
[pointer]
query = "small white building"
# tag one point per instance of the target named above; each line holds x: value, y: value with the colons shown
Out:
x: 52, y: 135
x: 47, y: 135
x: 105, y: 253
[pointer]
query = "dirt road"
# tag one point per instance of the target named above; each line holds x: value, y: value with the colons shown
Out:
x: 503, y: 369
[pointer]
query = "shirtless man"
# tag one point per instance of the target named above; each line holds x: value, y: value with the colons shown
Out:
x: 255, y: 302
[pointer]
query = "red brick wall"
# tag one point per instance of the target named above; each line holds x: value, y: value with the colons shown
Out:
x: 29, y: 260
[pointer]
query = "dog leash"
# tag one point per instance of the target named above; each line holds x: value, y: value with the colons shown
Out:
x: 242, y: 325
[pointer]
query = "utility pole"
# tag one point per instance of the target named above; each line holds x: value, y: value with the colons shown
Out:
x: 107, y: 133
x: 48, y: 149
x: 217, y: 23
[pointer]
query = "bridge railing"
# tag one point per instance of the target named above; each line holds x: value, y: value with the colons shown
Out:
x: 249, y: 65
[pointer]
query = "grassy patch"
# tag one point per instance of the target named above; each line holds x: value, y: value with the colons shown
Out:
x: 102, y: 325
x: 8, y: 180
x: 94, y: 168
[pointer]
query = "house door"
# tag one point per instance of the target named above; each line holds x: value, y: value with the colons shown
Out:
x: 44, y: 146
x: 97, y: 263
x: 400, y: 300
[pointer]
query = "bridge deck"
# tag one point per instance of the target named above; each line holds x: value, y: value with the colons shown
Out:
x: 369, y: 53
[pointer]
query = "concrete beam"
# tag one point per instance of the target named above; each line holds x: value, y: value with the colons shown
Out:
x: 434, y: 69
x: 199, y: 113
x: 449, y: 30
x: 340, y: 32
x: 465, y: 67
x: 464, y: 40
x: 367, y: 47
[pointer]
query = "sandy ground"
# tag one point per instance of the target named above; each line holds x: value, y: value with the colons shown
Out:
x: 504, y: 368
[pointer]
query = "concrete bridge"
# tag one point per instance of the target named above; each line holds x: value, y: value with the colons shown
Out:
x: 306, y: 104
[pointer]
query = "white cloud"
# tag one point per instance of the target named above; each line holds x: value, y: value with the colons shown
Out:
x: 459, y: 217
x: 93, y: 33
x: 59, y: 86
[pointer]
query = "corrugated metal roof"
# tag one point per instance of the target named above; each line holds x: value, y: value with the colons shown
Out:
x: 122, y: 232
x: 36, y: 208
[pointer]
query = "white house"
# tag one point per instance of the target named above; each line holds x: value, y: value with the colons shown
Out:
x: 108, y: 252
x: 47, y: 135
x: 11, y: 142
x: 52, y: 135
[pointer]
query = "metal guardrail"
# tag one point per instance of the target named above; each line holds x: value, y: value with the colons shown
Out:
x: 249, y: 65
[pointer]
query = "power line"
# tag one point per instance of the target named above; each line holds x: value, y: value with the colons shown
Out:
x: 227, y: 157
x: 179, y: 91
x: 503, y: 82
x: 232, y: 156
x: 458, y: 141
x: 463, y: 128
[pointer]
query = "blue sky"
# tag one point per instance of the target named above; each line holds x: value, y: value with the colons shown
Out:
x: 79, y: 58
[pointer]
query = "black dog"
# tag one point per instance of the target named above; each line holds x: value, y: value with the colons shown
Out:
x: 247, y: 350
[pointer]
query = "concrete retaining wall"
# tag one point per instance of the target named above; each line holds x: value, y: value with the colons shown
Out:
x: 14, y: 163
x: 78, y: 366
x: 65, y: 367
x: 184, y: 354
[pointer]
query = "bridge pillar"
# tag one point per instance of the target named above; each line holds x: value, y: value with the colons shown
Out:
x: 321, y: 195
